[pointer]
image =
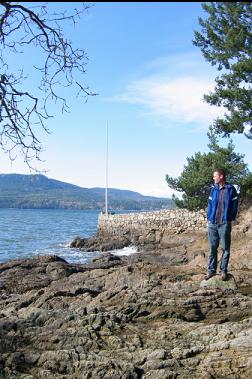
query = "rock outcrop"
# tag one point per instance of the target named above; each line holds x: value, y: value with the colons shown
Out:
x: 145, y: 316
x: 121, y: 318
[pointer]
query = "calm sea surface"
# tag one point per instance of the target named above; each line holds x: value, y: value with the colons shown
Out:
x: 30, y: 232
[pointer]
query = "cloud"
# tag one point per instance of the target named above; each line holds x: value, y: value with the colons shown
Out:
x: 178, y: 99
x: 172, y: 87
x: 175, y: 63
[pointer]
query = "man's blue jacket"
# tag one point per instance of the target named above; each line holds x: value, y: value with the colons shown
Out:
x: 231, y: 203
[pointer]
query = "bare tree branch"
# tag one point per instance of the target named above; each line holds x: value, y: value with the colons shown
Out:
x: 22, y: 112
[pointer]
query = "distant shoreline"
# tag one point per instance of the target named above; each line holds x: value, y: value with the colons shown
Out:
x: 39, y: 192
x: 86, y: 209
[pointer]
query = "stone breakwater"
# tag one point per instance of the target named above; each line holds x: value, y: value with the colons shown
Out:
x: 146, y: 230
x: 175, y: 220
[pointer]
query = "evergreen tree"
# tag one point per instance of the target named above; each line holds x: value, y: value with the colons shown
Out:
x: 226, y: 41
x: 196, y: 179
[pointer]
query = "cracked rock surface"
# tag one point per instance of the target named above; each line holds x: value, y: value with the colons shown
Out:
x: 146, y: 316
x: 121, y: 318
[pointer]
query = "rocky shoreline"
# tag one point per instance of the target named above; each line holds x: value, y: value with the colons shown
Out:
x: 146, y: 316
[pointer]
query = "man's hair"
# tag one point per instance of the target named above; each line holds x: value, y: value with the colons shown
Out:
x: 221, y: 172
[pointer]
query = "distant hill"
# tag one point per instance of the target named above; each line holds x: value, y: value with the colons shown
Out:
x: 38, y: 191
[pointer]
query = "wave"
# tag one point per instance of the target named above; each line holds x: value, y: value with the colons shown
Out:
x: 82, y: 257
x: 76, y: 256
x: 125, y: 251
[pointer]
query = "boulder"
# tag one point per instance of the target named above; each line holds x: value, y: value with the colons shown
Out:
x: 217, y: 282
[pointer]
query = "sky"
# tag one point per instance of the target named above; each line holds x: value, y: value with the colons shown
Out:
x: 150, y: 80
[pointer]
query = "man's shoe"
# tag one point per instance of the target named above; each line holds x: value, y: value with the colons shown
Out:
x: 224, y: 276
x: 209, y: 275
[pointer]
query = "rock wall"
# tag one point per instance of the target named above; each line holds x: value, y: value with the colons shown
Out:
x: 174, y: 220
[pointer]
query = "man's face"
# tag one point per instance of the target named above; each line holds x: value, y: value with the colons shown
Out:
x: 217, y: 177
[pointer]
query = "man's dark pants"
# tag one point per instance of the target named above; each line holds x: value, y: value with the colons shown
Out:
x: 217, y: 233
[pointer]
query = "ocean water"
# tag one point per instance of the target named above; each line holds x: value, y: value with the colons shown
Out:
x: 26, y: 233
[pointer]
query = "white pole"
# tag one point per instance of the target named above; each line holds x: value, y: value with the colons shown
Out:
x: 106, y: 189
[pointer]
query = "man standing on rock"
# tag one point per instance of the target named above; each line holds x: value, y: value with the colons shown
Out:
x: 222, y: 210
